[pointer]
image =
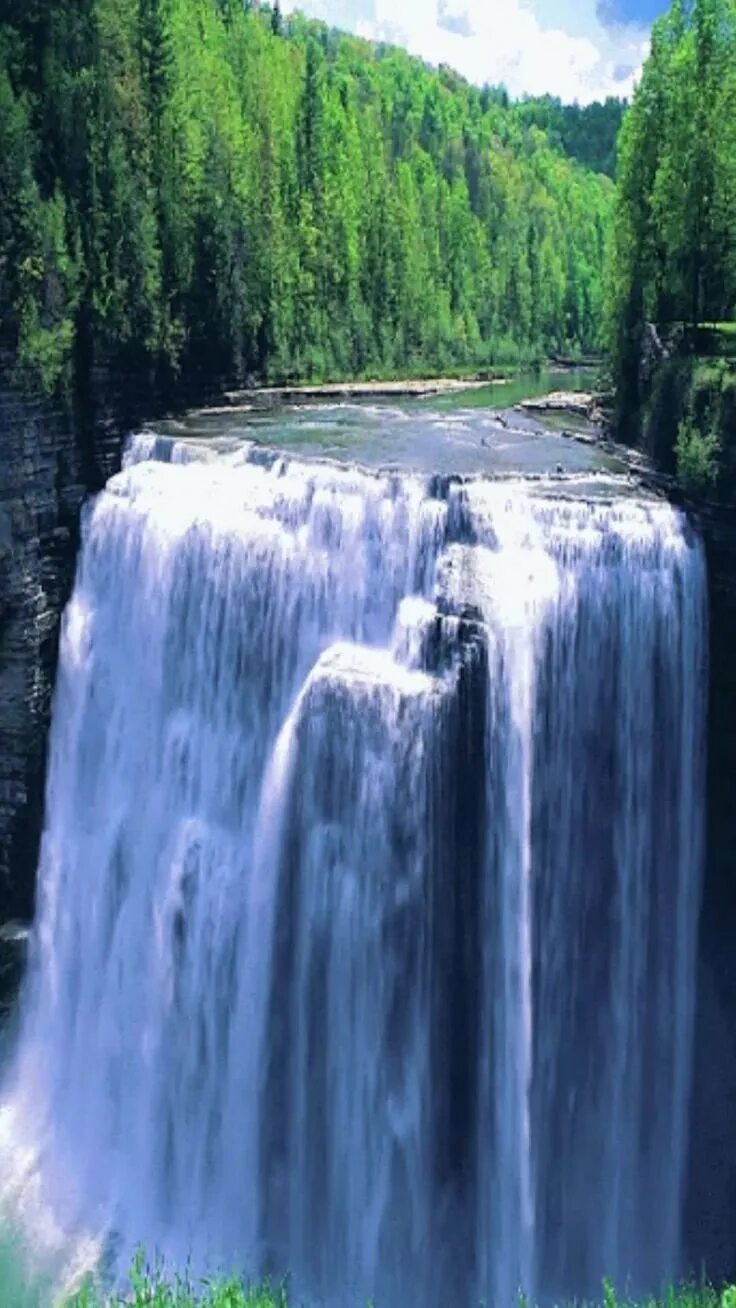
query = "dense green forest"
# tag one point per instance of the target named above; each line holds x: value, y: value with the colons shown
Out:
x: 585, y: 132
x: 200, y: 184
x: 672, y: 290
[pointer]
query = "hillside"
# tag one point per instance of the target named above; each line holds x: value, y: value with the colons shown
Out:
x: 191, y: 184
x: 672, y: 291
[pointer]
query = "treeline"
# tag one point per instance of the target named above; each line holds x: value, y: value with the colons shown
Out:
x: 588, y: 133
x: 671, y: 300
x: 674, y: 244
x: 197, y: 184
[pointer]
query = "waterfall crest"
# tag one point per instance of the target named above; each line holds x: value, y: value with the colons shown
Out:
x: 370, y: 880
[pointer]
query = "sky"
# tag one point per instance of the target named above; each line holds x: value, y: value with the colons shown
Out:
x: 577, y: 49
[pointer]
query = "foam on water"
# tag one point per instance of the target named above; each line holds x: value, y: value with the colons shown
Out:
x: 369, y: 885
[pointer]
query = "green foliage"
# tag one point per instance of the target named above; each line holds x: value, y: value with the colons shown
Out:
x: 697, y: 457
x: 149, y: 1286
x: 587, y: 133
x: 717, y: 339
x: 685, y: 1296
x: 203, y: 185
x: 157, y: 1293
x: 153, y: 1289
x: 674, y: 251
x: 609, y: 1295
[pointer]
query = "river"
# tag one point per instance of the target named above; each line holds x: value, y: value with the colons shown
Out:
x: 480, y: 430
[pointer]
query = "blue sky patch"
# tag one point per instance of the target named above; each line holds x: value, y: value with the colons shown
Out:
x: 631, y: 11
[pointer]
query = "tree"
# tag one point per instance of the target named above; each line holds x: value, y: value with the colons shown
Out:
x: 193, y: 184
x: 675, y: 211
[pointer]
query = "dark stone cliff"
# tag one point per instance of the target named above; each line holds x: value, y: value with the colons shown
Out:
x: 52, y: 454
x: 710, y: 1223
x: 41, y: 489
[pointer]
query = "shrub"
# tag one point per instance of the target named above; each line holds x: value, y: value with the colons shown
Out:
x: 697, y: 459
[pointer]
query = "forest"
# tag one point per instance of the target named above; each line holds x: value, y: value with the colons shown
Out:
x: 205, y: 185
x: 588, y: 133
x: 671, y: 292
x: 205, y: 188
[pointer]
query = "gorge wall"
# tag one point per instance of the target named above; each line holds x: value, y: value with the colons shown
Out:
x: 53, y: 454
x: 711, y: 1207
x: 41, y: 489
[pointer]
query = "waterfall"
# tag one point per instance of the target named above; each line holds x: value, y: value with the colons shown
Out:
x: 369, y: 886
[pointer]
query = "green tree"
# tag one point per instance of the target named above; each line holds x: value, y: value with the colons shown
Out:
x: 195, y: 185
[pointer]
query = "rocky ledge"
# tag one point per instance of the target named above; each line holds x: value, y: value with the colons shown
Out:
x: 580, y: 403
x: 711, y: 1216
x: 50, y: 458
x: 41, y: 489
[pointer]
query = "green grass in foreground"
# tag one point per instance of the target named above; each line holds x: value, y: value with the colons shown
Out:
x: 157, y: 1293
x: 154, y: 1290
x: 231, y: 1294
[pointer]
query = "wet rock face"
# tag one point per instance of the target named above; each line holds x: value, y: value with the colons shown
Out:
x: 41, y: 489
x: 50, y: 459
x: 710, y: 1220
x: 14, y: 939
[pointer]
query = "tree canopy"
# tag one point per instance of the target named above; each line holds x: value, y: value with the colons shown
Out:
x: 674, y: 243
x: 208, y: 184
x: 588, y: 133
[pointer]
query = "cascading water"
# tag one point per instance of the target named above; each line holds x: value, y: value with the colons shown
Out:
x: 369, y: 886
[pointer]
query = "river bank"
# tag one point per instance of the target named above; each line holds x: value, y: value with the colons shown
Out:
x: 403, y: 387
x: 365, y: 389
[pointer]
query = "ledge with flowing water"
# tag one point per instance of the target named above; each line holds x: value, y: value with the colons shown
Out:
x: 370, y: 881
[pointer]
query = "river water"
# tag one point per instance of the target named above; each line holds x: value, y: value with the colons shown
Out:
x: 370, y: 880
x: 481, y: 430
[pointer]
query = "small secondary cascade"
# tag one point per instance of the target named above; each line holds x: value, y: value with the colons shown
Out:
x: 370, y: 881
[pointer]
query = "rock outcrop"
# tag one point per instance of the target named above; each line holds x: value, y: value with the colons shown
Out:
x: 52, y: 455
x: 710, y: 1225
x: 41, y: 490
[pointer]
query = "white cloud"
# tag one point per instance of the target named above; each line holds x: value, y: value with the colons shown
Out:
x: 532, y: 46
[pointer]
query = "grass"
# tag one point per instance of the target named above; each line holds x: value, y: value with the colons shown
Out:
x: 157, y: 1294
x: 154, y: 1292
x: 152, y: 1289
x: 19, y: 1289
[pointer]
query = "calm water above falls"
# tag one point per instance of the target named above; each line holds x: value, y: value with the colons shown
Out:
x: 370, y: 881
x: 474, y: 431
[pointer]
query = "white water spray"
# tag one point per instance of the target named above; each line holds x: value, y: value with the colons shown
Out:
x: 369, y: 887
